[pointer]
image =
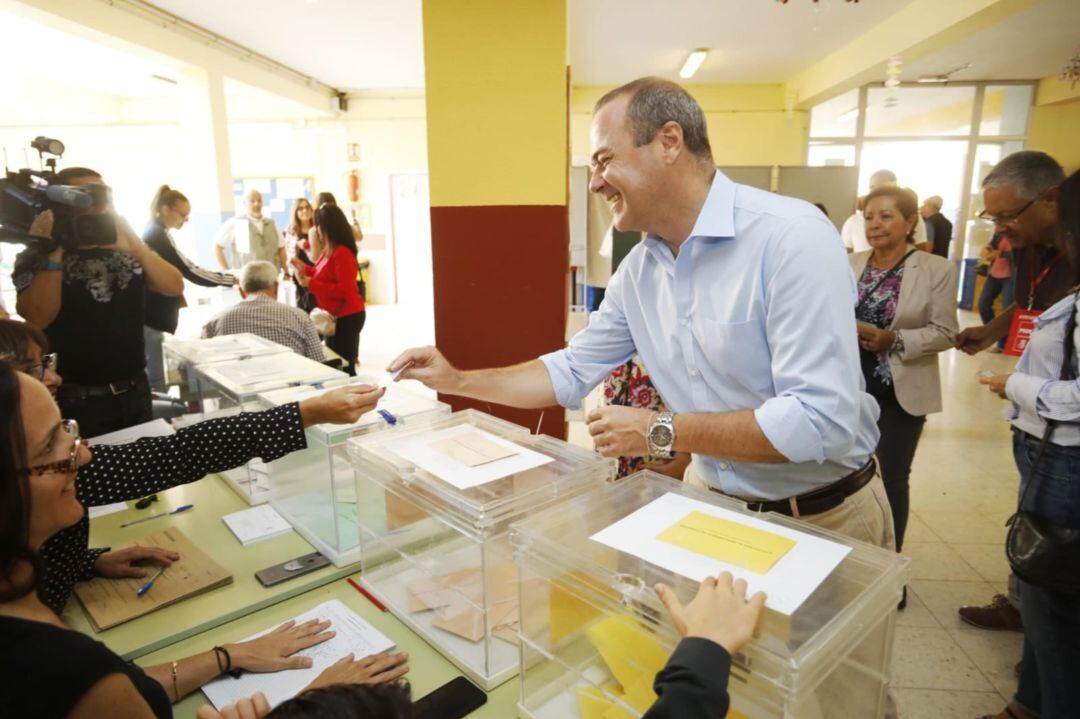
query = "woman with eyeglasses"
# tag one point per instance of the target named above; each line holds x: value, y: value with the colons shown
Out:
x: 25, y: 347
x: 298, y: 247
x: 169, y: 210
x: 62, y: 673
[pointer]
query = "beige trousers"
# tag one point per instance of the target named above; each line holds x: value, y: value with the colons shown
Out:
x: 864, y: 516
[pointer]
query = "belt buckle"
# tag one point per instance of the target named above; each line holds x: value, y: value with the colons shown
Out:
x: 116, y: 392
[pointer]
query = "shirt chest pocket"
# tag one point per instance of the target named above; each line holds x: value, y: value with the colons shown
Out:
x: 735, y: 353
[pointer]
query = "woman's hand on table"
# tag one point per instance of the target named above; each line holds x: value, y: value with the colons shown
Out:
x: 278, y: 649
x: 343, y: 405
x: 255, y: 707
x: 374, y: 669
x: 132, y: 561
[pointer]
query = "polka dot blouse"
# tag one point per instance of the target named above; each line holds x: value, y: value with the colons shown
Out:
x: 118, y: 473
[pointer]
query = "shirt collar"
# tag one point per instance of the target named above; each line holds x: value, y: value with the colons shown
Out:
x: 716, y: 220
x: 256, y: 296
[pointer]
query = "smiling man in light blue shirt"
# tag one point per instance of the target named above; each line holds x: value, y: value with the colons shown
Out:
x: 740, y: 303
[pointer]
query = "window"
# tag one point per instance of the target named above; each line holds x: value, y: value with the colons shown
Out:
x: 920, y: 111
x: 836, y: 117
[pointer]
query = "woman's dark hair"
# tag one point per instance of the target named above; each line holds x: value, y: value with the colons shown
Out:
x: 165, y: 197
x: 906, y: 201
x: 15, y: 339
x: 14, y: 491
x: 1069, y: 220
x: 325, y: 198
x: 348, y: 701
x: 335, y: 227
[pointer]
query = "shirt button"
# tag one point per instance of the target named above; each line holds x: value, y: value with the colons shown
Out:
x: 724, y: 466
x: 694, y: 372
x: 685, y: 322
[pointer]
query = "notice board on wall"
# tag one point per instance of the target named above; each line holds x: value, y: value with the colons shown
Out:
x: 278, y: 195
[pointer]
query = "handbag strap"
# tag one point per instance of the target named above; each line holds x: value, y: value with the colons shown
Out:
x: 884, y: 276
x: 1067, y: 375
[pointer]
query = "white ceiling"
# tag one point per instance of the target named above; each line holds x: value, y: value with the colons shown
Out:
x: 1029, y: 45
x: 750, y: 41
x: 348, y: 44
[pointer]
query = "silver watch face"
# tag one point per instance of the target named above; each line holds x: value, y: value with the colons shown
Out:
x: 660, y: 435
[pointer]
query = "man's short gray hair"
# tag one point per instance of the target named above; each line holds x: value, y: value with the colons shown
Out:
x: 934, y: 201
x: 1029, y: 172
x: 258, y: 275
x: 655, y: 102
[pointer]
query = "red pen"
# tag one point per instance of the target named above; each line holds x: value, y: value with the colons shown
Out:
x: 379, y: 605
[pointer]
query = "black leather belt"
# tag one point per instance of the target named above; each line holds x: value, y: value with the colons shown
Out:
x: 820, y: 500
x: 83, y: 391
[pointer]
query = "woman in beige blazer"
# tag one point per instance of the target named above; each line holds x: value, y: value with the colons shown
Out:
x: 906, y: 315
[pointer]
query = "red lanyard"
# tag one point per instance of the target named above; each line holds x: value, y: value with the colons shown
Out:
x: 1036, y: 281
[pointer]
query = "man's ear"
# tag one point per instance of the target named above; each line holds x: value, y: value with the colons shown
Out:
x: 670, y: 136
x: 1052, y: 194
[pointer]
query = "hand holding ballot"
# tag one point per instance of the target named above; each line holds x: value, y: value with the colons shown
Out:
x: 343, y: 405
x: 427, y: 365
x: 720, y: 612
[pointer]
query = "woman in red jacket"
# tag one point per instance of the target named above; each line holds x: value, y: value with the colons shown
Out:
x: 333, y: 282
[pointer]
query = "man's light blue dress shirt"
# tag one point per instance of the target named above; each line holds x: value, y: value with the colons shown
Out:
x: 757, y: 312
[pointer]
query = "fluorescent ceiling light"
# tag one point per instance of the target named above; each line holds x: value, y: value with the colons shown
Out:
x: 933, y: 79
x: 693, y: 62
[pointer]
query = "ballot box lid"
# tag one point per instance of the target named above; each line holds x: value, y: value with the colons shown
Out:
x: 411, y: 462
x: 223, y: 348
x: 398, y: 405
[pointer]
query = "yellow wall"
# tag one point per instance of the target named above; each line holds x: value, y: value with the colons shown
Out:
x: 748, y: 124
x: 1054, y: 122
x: 495, y: 75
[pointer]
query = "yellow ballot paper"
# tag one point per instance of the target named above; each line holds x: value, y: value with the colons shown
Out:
x: 731, y: 542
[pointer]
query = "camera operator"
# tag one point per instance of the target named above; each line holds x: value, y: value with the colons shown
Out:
x: 90, y: 302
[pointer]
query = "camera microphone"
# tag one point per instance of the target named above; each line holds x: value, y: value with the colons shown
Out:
x: 69, y: 195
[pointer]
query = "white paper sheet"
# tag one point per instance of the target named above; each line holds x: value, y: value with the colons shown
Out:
x: 788, y: 583
x: 106, y: 509
x: 353, y: 635
x: 418, y: 450
x: 153, y: 428
x: 256, y: 524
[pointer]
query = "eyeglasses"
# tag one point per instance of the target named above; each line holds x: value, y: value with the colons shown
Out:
x: 70, y: 464
x: 1007, y: 218
x: 37, y: 371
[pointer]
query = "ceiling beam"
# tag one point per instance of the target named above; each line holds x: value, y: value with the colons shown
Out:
x: 134, y: 25
x: 920, y: 28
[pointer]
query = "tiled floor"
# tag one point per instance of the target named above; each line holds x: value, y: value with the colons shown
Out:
x: 963, y: 489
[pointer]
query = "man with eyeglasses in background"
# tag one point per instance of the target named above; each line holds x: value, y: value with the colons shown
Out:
x: 1020, y: 195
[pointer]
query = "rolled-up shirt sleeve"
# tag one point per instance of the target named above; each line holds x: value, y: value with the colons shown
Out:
x: 594, y: 352
x: 1057, y: 400
x: 810, y: 323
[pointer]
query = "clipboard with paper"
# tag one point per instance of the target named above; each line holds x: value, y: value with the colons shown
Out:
x: 109, y: 602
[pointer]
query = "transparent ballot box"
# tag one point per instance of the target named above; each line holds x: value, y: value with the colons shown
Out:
x: 231, y: 387
x: 314, y: 488
x: 181, y: 355
x: 594, y: 634
x: 434, y: 505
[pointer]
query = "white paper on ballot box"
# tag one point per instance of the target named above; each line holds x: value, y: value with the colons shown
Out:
x: 353, y: 635
x: 788, y: 583
x: 418, y: 449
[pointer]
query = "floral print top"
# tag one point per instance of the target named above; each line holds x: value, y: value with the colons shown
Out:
x: 878, y: 309
x: 629, y: 386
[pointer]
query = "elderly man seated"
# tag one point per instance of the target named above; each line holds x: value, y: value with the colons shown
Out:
x: 261, y: 314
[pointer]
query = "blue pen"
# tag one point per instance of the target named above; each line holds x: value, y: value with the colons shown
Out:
x: 178, y: 510
x: 149, y: 583
x: 390, y: 419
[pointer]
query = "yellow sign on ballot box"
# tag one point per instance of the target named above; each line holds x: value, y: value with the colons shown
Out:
x: 728, y: 541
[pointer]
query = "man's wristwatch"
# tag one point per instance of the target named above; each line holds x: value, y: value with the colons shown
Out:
x: 661, y: 435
